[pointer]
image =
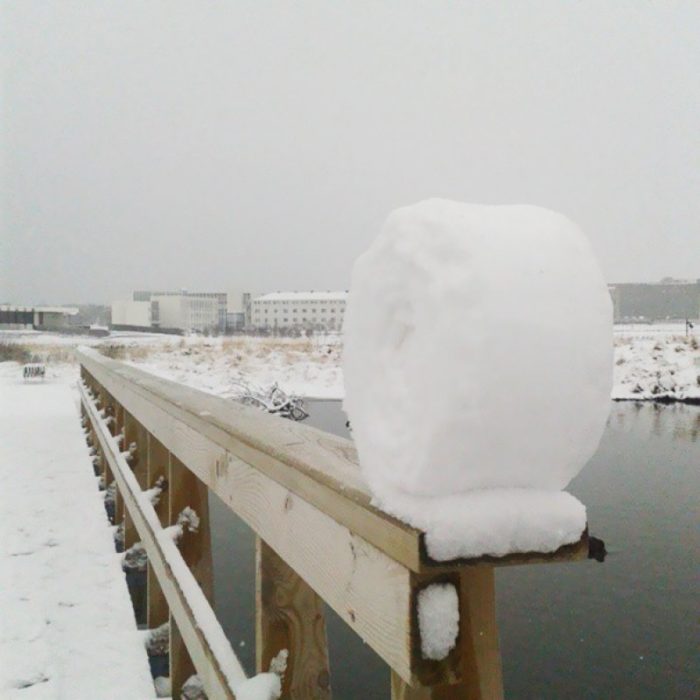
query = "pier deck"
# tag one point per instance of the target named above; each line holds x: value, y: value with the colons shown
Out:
x: 67, y: 627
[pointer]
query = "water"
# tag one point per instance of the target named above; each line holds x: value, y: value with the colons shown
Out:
x: 627, y: 628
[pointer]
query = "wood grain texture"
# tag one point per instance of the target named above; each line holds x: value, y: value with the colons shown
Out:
x: 400, y: 690
x: 480, y: 654
x: 289, y: 615
x: 199, y: 429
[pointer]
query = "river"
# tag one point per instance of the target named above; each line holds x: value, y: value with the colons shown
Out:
x: 626, y: 628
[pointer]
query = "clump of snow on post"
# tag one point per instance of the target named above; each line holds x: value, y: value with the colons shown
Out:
x: 438, y: 620
x: 478, y: 357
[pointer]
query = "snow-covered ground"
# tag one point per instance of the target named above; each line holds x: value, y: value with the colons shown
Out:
x: 67, y: 628
x: 646, y: 356
x: 656, y: 362
x: 304, y: 366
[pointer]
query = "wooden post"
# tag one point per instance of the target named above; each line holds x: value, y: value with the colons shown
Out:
x: 115, y: 426
x: 157, y: 459
x: 134, y: 433
x: 478, y: 634
x: 186, y: 490
x: 478, y: 655
x: 289, y: 615
x: 181, y: 666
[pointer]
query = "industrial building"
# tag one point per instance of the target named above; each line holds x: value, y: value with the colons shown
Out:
x: 177, y: 312
x: 669, y: 299
x: 316, y: 311
x: 239, y: 310
x: 40, y: 318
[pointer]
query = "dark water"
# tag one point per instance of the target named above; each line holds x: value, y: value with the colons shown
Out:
x: 627, y: 628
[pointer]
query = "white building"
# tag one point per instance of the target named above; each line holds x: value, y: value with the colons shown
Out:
x: 196, y: 311
x: 131, y: 314
x: 299, y: 310
x: 171, y: 311
x: 185, y: 312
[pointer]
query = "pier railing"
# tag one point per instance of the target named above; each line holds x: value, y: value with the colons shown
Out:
x: 319, y: 539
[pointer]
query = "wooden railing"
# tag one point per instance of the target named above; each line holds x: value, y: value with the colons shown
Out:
x: 318, y: 539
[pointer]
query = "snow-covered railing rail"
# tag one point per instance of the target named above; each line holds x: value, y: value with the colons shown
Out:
x: 318, y: 539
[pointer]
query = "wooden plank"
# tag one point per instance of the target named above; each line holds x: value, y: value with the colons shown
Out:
x: 368, y: 589
x: 204, y: 431
x: 215, y: 661
x: 200, y: 428
x: 289, y: 615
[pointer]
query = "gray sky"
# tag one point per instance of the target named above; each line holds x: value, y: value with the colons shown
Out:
x: 222, y: 145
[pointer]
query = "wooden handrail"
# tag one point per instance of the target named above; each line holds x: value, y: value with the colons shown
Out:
x: 301, y: 492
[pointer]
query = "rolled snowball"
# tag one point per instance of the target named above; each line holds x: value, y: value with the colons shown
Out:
x: 478, y: 350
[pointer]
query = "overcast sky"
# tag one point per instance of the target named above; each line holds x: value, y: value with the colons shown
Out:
x: 260, y: 145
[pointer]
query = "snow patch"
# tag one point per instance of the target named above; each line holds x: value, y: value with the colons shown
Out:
x: 438, y: 620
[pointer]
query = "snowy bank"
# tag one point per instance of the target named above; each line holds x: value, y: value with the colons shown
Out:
x: 312, y: 367
x: 656, y: 363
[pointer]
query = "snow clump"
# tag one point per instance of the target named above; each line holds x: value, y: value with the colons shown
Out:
x: 438, y: 620
x: 478, y: 356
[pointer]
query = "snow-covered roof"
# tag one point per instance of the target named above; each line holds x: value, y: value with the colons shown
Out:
x: 65, y: 310
x: 301, y: 296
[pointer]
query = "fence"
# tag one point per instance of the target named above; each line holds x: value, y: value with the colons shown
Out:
x: 318, y: 539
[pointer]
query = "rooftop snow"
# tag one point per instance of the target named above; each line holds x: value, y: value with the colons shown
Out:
x: 299, y: 296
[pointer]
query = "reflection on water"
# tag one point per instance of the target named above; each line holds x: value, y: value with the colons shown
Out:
x: 682, y: 420
x: 623, y: 629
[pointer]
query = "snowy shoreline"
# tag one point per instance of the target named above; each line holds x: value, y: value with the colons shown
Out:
x: 653, y: 363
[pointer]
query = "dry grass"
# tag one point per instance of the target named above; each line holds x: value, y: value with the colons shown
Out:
x: 14, y: 352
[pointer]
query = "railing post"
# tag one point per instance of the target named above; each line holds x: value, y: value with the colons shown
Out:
x: 478, y: 634
x: 186, y: 490
x: 135, y: 434
x: 157, y: 459
x: 289, y: 615
x: 115, y: 427
x: 478, y: 655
